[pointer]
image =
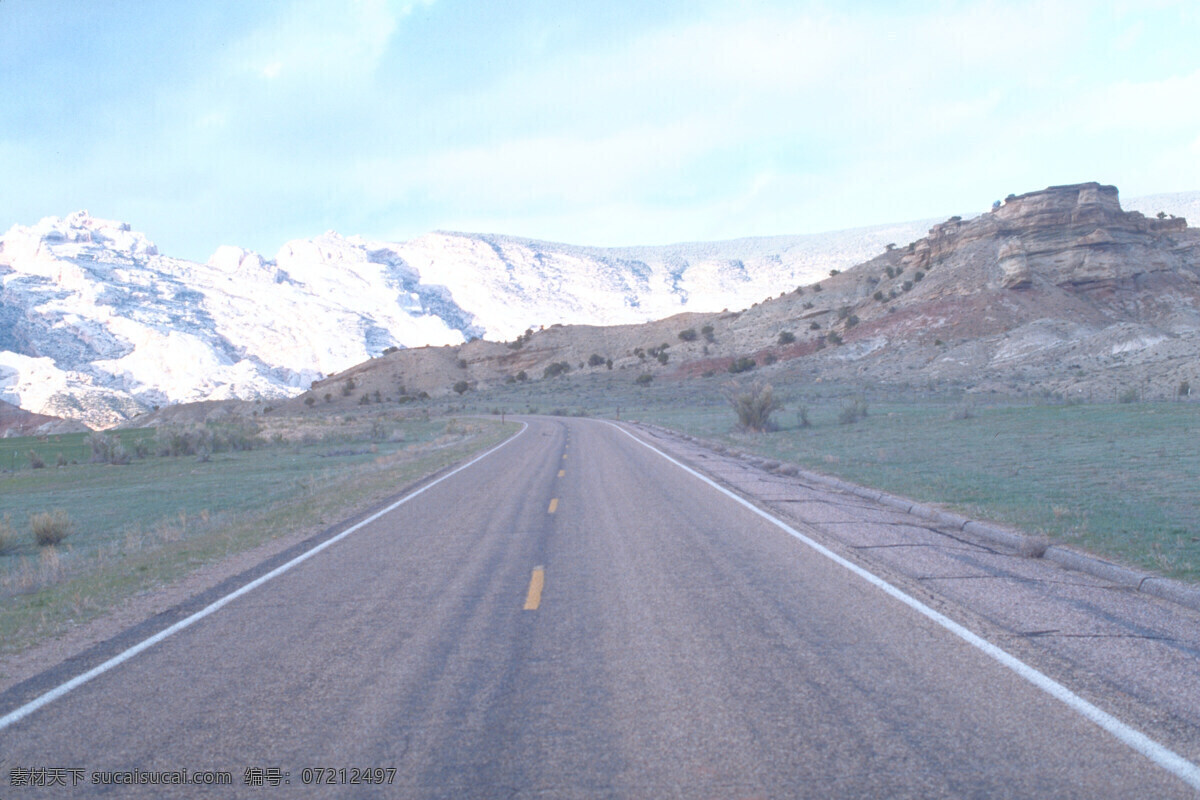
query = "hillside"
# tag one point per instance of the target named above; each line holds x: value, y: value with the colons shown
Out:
x: 1058, y: 290
x: 97, y: 325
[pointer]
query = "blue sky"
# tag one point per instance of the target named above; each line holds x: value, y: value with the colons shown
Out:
x: 227, y: 122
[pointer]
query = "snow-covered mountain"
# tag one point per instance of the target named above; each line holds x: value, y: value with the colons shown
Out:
x: 97, y: 325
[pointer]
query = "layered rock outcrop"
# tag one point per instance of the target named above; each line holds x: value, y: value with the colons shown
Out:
x: 1073, y: 236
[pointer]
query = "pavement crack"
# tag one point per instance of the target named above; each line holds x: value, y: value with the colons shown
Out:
x: 911, y: 544
x: 1058, y: 635
x: 956, y: 577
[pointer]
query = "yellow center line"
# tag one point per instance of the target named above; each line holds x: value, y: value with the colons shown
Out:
x: 554, y: 505
x: 562, y: 472
x: 533, y: 598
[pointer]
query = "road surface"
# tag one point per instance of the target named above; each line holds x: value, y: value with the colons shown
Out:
x: 570, y: 616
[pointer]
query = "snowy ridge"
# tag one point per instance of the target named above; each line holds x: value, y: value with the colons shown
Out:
x: 97, y: 325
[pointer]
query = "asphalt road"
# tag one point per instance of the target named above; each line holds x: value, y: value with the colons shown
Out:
x: 574, y: 616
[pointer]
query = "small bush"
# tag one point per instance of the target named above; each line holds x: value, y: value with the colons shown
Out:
x: 1130, y: 395
x: 310, y: 401
x: 60, y: 460
x: 802, y: 417
x: 753, y: 405
x: 786, y: 337
x: 8, y: 536
x: 347, y: 387
x: 522, y: 376
x: 556, y: 369
x: 107, y: 449
x: 179, y: 441
x: 328, y: 397
x: 851, y: 320
x: 461, y: 387
x: 854, y: 411
x: 662, y: 356
x: 707, y: 333
x: 814, y: 326
x: 688, y: 335
x: 742, y: 364
x: 834, y: 272
x: 907, y: 286
x: 963, y: 410
x: 878, y: 296
x: 35, y: 461
x: 834, y: 337
x: 769, y: 359
x: 50, y: 527
x: 365, y: 400
x: 595, y: 360
x: 643, y: 379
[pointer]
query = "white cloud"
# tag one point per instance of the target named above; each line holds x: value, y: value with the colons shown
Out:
x: 323, y: 41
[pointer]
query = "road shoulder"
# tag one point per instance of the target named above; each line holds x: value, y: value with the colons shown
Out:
x: 1129, y: 650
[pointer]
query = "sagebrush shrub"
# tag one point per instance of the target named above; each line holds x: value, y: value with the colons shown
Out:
x: 742, y: 364
x: 753, y: 405
x: 50, y: 527
x: 853, y: 411
x: 107, y: 449
x: 8, y: 536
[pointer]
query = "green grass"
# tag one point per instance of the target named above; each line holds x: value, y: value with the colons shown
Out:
x: 1120, y: 480
x: 155, y: 520
x: 14, y: 453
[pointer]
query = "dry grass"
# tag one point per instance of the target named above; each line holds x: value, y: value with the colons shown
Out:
x: 257, y: 495
x: 8, y: 536
x: 51, y: 527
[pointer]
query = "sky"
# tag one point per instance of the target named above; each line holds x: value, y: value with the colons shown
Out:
x: 593, y: 123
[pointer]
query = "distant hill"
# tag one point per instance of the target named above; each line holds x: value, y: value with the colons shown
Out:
x: 96, y: 325
x: 18, y: 422
x: 1059, y: 291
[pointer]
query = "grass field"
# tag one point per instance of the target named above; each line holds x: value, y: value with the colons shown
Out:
x: 1120, y: 480
x: 146, y: 523
x: 14, y: 453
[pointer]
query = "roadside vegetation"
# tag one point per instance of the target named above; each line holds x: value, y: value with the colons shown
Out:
x: 132, y: 510
x: 1118, y: 479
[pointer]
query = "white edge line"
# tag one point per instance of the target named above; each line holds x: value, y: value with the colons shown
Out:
x: 57, y: 692
x: 1169, y: 760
